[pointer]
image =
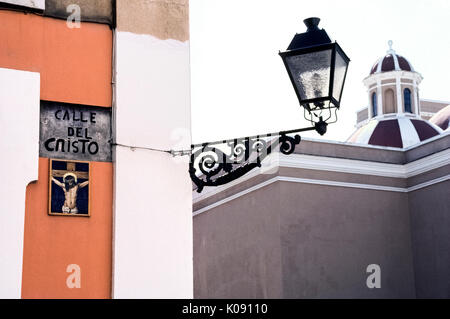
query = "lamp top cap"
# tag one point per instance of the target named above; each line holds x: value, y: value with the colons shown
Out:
x: 312, y: 37
x: 312, y: 23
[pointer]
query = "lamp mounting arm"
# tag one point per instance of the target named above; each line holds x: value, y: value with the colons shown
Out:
x: 220, y: 162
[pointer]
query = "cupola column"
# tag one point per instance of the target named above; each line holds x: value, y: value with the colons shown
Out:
x: 370, y: 112
x: 399, y: 94
x: 379, y: 98
x: 416, y: 102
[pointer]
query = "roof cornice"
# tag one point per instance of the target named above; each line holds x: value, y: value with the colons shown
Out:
x: 375, y: 78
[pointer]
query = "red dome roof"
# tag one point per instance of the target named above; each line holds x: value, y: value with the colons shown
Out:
x: 391, y: 62
x: 399, y: 132
x: 387, y: 64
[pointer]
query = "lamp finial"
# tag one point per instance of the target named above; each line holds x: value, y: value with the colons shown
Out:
x: 312, y: 23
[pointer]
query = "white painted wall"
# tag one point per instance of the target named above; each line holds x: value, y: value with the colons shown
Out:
x: 19, y: 142
x: 153, y: 198
x: 35, y: 4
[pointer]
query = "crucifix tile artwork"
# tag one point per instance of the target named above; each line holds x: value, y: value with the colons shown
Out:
x: 69, y: 188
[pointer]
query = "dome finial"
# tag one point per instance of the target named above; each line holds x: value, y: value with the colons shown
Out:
x: 390, y: 43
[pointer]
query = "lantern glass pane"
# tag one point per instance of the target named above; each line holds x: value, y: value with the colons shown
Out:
x: 311, y: 73
x: 339, y: 75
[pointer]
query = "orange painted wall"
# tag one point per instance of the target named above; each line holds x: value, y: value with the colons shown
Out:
x: 75, y: 64
x: 75, y: 67
x: 53, y: 242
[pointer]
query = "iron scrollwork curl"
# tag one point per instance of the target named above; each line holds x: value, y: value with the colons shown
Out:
x: 211, y: 165
x: 287, y: 143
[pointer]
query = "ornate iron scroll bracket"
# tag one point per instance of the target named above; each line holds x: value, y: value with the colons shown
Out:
x: 220, y: 162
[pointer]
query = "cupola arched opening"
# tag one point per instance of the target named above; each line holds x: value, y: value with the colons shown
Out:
x: 389, y: 101
x: 374, y: 105
x: 407, y: 100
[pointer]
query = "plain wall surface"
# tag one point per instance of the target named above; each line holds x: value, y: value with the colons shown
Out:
x: 237, y: 248
x: 19, y: 91
x: 75, y: 64
x: 33, y: 4
x: 331, y: 234
x: 295, y: 240
x: 153, y: 189
x: 430, y: 219
x: 153, y: 200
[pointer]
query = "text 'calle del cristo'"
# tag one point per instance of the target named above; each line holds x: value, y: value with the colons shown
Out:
x: 77, y: 132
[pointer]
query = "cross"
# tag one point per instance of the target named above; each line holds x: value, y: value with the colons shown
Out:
x: 70, y: 169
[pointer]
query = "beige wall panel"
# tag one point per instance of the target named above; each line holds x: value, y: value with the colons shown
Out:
x: 164, y: 19
x: 432, y: 107
x: 362, y: 115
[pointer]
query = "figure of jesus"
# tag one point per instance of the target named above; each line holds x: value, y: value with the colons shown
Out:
x: 70, y: 188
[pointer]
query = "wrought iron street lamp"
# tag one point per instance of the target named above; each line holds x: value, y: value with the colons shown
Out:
x: 317, y: 69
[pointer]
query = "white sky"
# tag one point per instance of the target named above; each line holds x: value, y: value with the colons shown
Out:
x: 240, y: 86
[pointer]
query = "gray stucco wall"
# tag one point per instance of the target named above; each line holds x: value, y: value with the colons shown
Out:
x: 297, y: 240
x: 329, y: 235
x: 237, y: 251
x: 430, y: 220
x: 100, y: 11
x: 292, y: 240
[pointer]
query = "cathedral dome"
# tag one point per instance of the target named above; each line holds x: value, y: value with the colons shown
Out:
x: 391, y: 62
x: 442, y: 118
x: 397, y: 131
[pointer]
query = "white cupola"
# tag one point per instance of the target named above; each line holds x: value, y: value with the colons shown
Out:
x: 393, y: 112
x: 393, y: 86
